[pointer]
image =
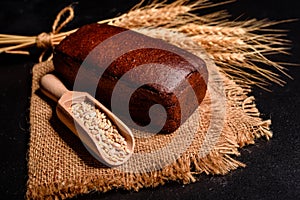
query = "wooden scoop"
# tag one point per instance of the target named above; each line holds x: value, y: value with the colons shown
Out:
x: 54, y: 89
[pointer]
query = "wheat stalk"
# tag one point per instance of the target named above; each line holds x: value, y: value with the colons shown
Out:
x: 195, y: 29
x: 160, y: 14
x: 235, y: 46
x: 16, y: 43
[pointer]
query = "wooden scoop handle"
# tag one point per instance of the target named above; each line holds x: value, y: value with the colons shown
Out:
x: 52, y: 87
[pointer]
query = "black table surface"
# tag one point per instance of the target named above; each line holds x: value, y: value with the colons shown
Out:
x: 272, y: 170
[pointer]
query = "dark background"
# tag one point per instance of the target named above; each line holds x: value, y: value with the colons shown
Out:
x: 272, y: 170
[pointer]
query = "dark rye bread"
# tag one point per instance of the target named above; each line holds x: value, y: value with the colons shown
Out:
x: 107, y: 56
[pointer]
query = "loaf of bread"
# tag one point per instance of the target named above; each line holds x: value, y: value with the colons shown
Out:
x: 105, y: 56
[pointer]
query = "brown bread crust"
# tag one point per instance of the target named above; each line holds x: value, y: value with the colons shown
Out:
x: 178, y: 75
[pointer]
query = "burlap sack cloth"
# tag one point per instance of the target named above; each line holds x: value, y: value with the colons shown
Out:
x: 60, y: 166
